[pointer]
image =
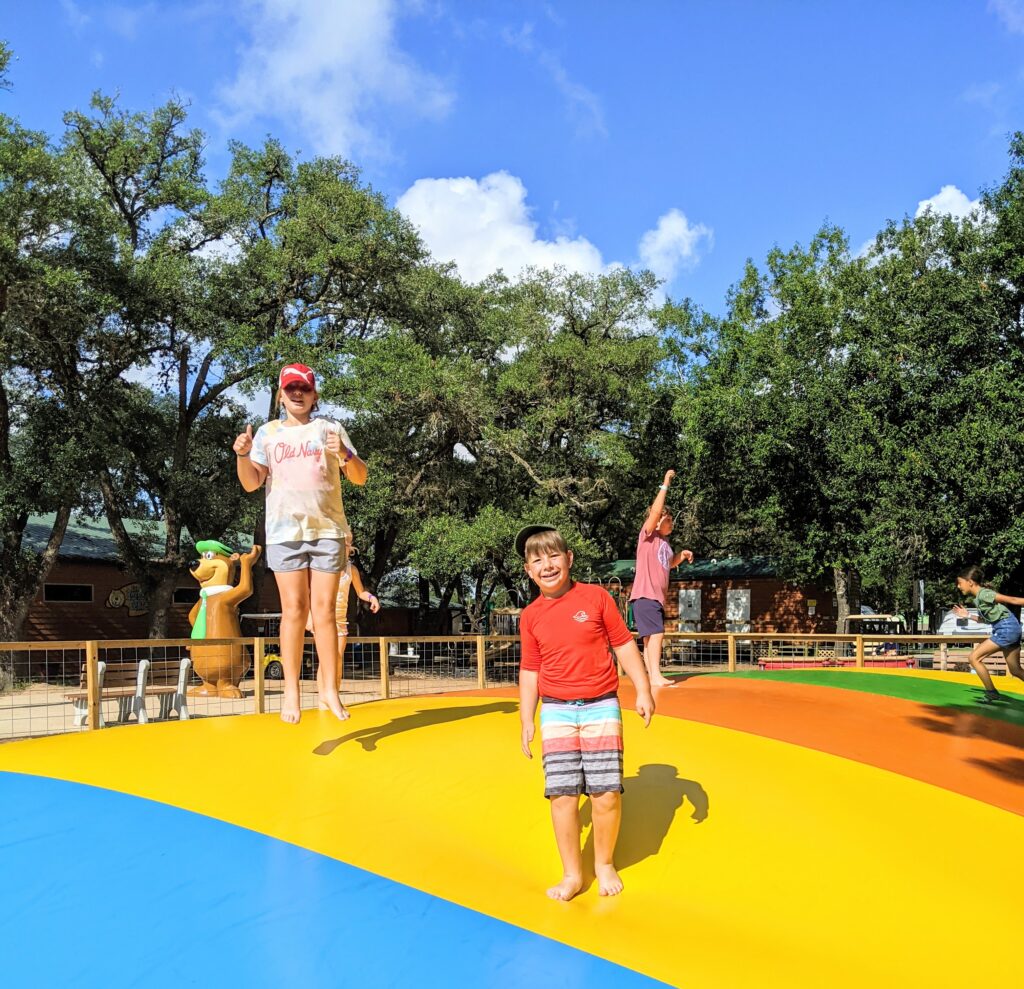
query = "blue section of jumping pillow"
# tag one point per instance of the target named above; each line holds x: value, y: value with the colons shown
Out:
x: 102, y: 888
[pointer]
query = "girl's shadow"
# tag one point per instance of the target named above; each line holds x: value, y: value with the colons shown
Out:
x: 649, y: 806
x: 369, y: 737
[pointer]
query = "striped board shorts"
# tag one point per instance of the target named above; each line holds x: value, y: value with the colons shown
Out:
x: 582, y: 745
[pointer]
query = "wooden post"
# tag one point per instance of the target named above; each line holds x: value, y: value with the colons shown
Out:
x: 943, y: 657
x: 92, y: 682
x: 732, y: 651
x: 481, y: 662
x: 385, y: 677
x: 258, y: 659
x: 860, y: 652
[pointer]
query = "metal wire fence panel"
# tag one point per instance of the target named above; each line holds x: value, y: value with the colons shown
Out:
x: 358, y: 678
x: 52, y: 687
x: 430, y: 664
x: 43, y: 688
x: 501, y: 660
x: 683, y: 652
x: 179, y: 679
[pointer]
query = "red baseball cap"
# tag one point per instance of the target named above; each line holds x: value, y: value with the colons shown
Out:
x: 297, y: 374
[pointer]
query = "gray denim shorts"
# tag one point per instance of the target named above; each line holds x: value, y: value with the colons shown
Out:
x: 325, y: 555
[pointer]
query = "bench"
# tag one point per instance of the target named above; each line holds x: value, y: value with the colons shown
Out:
x: 410, y: 656
x: 956, y: 661
x: 870, y: 662
x: 129, y: 683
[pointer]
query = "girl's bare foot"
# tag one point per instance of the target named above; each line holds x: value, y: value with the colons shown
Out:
x: 291, y: 710
x: 608, y: 881
x: 662, y: 682
x: 332, y: 702
x: 323, y: 705
x: 567, y: 888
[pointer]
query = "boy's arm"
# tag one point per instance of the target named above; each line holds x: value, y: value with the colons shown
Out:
x: 683, y: 554
x: 633, y: 663
x: 658, y: 505
x: 528, y: 698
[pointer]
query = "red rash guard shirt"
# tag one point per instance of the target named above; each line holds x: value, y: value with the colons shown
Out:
x: 566, y: 639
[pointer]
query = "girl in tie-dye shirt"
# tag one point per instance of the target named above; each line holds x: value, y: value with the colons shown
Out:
x: 301, y: 460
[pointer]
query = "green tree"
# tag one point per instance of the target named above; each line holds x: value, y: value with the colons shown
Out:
x: 64, y: 341
x: 285, y: 262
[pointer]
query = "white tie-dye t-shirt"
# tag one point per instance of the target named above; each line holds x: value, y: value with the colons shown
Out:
x: 304, y: 484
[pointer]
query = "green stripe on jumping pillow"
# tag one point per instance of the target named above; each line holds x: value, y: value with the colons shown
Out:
x: 923, y: 690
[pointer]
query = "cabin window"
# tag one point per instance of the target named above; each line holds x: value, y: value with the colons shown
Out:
x: 64, y: 593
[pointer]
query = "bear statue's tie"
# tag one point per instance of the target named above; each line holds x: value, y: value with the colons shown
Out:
x: 199, y: 629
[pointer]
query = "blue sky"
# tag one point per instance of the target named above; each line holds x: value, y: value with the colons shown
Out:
x: 686, y: 136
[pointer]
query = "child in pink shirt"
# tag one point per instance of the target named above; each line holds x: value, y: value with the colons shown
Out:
x: 654, y: 560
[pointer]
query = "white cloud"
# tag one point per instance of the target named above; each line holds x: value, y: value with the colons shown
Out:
x: 1010, y: 12
x: 982, y: 93
x: 582, y: 105
x: 74, y: 14
x: 950, y: 200
x: 672, y: 245
x: 485, y: 225
x: 328, y: 66
x: 125, y: 21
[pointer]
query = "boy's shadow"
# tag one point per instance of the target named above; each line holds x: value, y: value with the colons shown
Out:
x: 649, y: 806
x: 369, y: 737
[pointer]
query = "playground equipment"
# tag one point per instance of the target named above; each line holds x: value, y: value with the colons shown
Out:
x: 779, y: 830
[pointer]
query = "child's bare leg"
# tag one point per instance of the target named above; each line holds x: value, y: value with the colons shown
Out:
x: 320, y: 685
x: 1013, y: 662
x: 565, y: 817
x: 606, y: 809
x: 293, y: 587
x: 982, y: 649
x: 652, y: 660
x: 323, y: 590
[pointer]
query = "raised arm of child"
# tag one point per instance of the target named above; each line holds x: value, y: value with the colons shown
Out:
x: 633, y: 663
x: 658, y: 505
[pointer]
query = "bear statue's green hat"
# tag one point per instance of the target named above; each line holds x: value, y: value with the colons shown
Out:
x: 212, y: 546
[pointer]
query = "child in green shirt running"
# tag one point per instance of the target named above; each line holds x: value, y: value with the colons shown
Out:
x: 1006, y: 631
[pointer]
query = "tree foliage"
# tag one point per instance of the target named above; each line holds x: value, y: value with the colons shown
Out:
x: 850, y: 416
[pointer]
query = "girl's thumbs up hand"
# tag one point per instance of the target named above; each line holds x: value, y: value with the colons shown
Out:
x: 243, y: 443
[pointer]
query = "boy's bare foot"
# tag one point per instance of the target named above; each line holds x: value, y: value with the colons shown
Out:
x: 567, y: 888
x: 608, y: 881
x: 662, y: 682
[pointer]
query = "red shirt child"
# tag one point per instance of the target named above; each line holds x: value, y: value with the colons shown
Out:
x: 566, y: 639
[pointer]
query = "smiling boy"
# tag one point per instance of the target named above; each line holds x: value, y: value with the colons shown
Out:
x: 566, y: 664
